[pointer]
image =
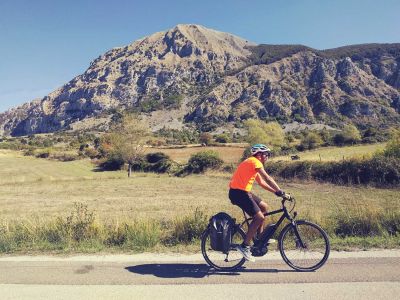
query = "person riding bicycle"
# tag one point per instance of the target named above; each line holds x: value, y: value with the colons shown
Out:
x: 240, y: 192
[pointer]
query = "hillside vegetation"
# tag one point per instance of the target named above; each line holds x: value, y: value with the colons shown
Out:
x: 194, y: 77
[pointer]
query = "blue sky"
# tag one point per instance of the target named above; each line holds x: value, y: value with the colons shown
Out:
x: 45, y: 43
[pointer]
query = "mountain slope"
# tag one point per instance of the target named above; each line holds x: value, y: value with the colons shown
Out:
x: 194, y: 74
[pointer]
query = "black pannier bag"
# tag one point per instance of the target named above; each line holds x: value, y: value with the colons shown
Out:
x: 221, y: 226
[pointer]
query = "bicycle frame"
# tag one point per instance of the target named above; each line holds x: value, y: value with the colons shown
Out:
x: 285, y: 215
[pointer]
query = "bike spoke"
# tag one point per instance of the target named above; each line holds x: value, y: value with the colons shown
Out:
x: 223, y: 261
x: 304, y: 249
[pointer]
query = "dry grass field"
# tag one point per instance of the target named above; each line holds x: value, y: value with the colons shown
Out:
x: 232, y: 154
x: 39, y: 188
x: 337, y: 153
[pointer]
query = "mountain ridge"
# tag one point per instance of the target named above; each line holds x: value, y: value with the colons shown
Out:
x: 200, y: 76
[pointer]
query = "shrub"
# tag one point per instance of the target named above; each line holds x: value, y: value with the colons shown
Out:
x: 222, y: 138
x: 30, y: 152
x: 312, y: 140
x: 43, y: 154
x: 79, y: 225
x: 204, y: 160
x: 392, y: 148
x: 359, y: 221
x: 246, y: 154
x: 90, y: 152
x: 270, y: 133
x: 154, y: 162
x: 379, y: 170
x: 63, y: 156
x: 188, y: 228
x: 156, y: 157
x: 205, y: 138
x: 142, y: 235
x: 112, y: 163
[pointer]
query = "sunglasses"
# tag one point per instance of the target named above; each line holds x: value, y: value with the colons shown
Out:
x: 266, y: 154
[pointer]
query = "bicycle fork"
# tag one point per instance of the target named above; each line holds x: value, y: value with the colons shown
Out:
x: 299, y: 242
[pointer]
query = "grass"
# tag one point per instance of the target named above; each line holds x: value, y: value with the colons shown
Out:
x: 231, y: 154
x: 37, y: 192
x: 336, y: 153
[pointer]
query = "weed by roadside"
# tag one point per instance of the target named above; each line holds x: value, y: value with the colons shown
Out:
x: 80, y: 231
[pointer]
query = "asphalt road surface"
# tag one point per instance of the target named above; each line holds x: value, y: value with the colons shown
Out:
x: 361, y: 275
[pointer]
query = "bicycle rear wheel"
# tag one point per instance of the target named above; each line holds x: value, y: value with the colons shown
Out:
x: 218, y: 260
x: 305, y: 246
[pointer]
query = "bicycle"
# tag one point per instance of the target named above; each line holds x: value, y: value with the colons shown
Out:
x: 303, y: 245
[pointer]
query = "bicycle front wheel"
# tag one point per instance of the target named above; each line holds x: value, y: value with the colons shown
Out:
x: 219, y: 260
x: 304, y: 246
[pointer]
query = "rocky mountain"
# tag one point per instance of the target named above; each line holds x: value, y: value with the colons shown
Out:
x: 191, y: 75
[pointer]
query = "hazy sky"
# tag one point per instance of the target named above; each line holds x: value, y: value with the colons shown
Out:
x: 45, y: 43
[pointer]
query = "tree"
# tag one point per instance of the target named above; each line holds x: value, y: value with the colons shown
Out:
x: 205, y: 138
x: 349, y: 135
x: 352, y: 134
x: 392, y: 148
x: 270, y: 133
x: 311, y: 140
x: 127, y: 140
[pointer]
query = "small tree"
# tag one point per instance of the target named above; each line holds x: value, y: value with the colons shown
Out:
x: 392, y: 148
x: 205, y: 138
x: 270, y: 133
x: 127, y: 140
x: 349, y: 135
x: 352, y: 134
x: 312, y: 140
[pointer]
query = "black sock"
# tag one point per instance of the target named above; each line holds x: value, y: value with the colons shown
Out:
x: 244, y: 245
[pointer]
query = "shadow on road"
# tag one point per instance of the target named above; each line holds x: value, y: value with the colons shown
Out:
x: 191, y: 270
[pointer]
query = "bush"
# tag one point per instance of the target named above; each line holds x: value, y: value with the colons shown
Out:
x: 360, y: 221
x: 205, y: 138
x: 363, y: 221
x: 156, y: 157
x: 378, y: 170
x: 142, y: 235
x: 112, y: 163
x: 154, y: 162
x: 392, y: 148
x: 222, y: 138
x: 90, y: 152
x: 43, y: 154
x: 189, y: 228
x: 246, y: 154
x: 62, y: 156
x: 204, y: 160
x: 311, y: 141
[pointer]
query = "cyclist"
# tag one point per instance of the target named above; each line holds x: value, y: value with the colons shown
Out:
x: 240, y: 192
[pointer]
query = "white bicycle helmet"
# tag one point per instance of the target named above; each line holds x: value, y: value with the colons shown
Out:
x: 259, y: 148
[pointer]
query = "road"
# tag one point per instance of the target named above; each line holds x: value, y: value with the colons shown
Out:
x: 362, y: 275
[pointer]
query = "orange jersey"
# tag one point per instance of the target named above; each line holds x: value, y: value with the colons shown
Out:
x: 245, y: 174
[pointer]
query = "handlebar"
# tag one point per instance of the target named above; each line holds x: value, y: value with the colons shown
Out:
x: 291, y: 200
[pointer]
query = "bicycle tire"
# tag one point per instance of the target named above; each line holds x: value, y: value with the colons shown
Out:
x: 219, y: 260
x: 317, y: 247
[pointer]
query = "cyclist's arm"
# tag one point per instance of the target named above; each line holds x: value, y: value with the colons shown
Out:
x: 261, y: 182
x: 268, y: 179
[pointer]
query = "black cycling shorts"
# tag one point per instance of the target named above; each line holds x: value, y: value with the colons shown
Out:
x: 245, y: 200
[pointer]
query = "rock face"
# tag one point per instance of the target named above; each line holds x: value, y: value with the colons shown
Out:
x: 191, y: 74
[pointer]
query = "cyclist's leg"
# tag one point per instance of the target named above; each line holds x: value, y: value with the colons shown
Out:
x: 248, y: 202
x: 263, y: 207
x: 258, y: 219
